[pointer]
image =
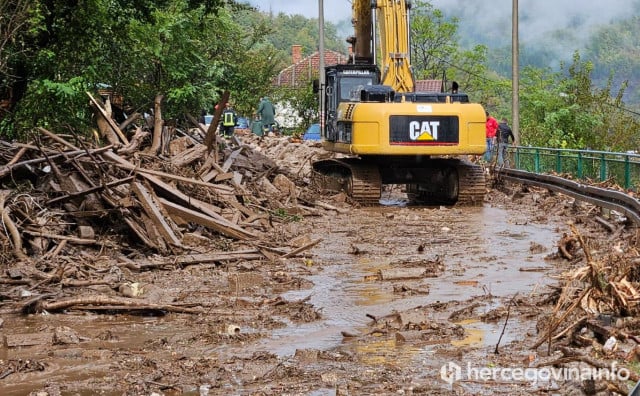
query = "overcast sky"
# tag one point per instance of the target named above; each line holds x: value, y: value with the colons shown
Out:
x: 334, y: 10
x: 538, y: 16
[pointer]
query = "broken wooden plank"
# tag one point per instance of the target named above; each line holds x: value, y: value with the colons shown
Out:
x: 30, y: 339
x: 150, y: 208
x: 219, y: 188
x: 302, y: 248
x: 222, y: 176
x: 402, y: 273
x: 195, y: 259
x: 109, y: 120
x: 189, y: 155
x: 140, y: 232
x: 210, y: 175
x: 229, y: 161
x: 219, y: 224
x: 89, y: 190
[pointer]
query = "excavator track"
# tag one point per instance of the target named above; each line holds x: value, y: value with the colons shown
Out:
x: 361, y: 181
x: 472, y: 185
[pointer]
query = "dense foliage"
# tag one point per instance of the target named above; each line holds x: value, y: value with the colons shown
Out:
x: 189, y: 51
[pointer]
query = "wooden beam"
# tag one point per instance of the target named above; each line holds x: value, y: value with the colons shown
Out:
x: 219, y: 188
x: 150, y: 208
x: 112, y: 123
x: 211, y: 139
x: 220, y: 225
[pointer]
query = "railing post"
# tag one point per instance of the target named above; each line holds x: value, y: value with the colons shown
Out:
x: 603, y: 168
x: 579, y: 164
x: 536, y: 161
x: 516, y: 158
x: 558, y: 162
x: 627, y: 172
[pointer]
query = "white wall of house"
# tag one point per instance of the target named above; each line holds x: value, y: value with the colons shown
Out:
x: 287, y: 117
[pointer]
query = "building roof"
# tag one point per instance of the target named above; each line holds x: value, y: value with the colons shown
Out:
x: 429, y: 86
x: 305, y: 69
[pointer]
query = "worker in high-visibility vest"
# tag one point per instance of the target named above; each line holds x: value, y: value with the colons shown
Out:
x: 229, y: 120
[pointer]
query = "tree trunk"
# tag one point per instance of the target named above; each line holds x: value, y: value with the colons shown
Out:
x: 157, y: 126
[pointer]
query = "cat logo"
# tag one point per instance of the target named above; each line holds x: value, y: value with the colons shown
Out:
x: 425, y: 130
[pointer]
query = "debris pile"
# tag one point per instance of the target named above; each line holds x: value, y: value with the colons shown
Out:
x: 145, y: 200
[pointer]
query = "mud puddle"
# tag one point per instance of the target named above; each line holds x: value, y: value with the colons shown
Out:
x: 486, y: 252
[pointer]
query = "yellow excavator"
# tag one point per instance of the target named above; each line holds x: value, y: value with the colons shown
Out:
x: 389, y: 133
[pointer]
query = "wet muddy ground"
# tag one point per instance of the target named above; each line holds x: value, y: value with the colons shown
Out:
x: 386, y: 299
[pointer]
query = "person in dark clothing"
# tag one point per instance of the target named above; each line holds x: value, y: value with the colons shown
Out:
x: 504, y: 133
x: 229, y: 120
x: 267, y: 112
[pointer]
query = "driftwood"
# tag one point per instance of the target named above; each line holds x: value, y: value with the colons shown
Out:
x: 18, y: 155
x: 302, y: 248
x: 78, y: 241
x: 610, y: 227
x: 218, y: 224
x: 136, y: 140
x: 547, y: 336
x: 113, y: 303
x: 330, y: 207
x: 11, y: 227
x: 211, y: 140
x: 194, y: 259
x: 130, y: 119
x: 89, y: 190
x: 157, y: 125
x: 147, y: 199
x: 110, y: 122
x: 122, y: 163
x: 402, y: 273
x: 566, y: 245
x: 5, y: 170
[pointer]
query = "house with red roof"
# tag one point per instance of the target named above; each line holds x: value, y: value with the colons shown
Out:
x: 303, y: 71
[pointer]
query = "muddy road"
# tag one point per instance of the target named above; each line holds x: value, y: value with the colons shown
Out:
x: 387, y: 300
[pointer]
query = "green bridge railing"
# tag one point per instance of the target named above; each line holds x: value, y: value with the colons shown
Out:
x: 622, y: 169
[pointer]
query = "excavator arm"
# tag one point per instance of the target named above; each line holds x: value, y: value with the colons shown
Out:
x: 392, y: 23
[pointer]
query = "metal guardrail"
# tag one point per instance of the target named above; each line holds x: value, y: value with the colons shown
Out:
x: 622, y: 169
x: 533, y: 165
x: 611, y: 199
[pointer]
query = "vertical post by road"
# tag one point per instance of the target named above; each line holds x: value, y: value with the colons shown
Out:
x: 515, y: 75
x: 321, y: 62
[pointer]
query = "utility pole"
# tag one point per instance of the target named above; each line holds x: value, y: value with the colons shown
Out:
x: 321, y: 63
x: 515, y: 74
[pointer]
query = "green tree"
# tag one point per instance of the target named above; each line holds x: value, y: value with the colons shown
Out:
x: 188, y: 50
x: 436, y: 53
x: 564, y: 109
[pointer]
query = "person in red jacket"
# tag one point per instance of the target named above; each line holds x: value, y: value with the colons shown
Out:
x: 490, y: 128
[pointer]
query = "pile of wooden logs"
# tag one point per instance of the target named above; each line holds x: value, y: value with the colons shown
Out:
x: 145, y: 189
